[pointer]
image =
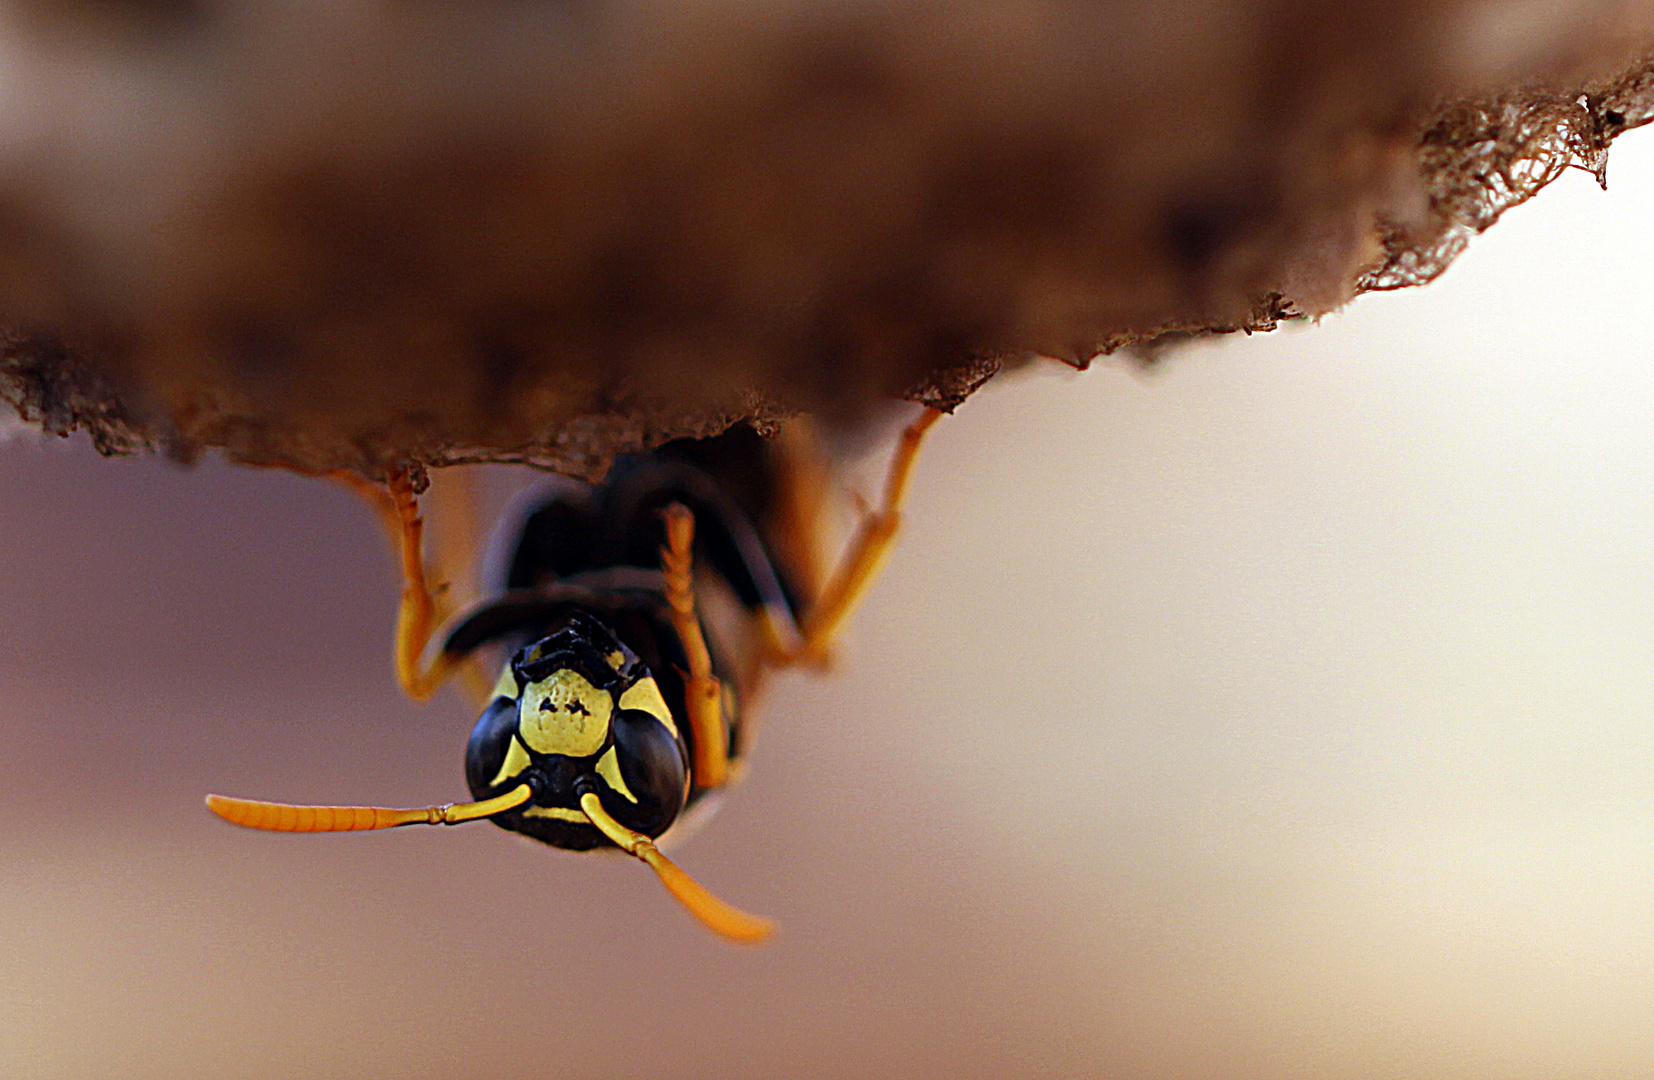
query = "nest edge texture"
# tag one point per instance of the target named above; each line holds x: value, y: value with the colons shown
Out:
x: 551, y: 233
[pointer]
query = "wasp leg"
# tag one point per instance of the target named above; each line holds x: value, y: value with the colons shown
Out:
x: 865, y: 555
x: 703, y: 693
x: 370, y: 492
x: 416, y: 616
x: 801, y: 484
x: 450, y: 572
x: 428, y: 598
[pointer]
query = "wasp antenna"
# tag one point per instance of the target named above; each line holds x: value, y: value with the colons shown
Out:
x: 716, y: 915
x: 284, y: 817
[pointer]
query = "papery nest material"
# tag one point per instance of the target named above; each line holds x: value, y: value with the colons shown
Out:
x: 353, y: 235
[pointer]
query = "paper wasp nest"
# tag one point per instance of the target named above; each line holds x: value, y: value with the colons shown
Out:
x: 350, y: 233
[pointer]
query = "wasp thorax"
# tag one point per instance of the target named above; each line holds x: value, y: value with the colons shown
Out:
x: 564, y: 714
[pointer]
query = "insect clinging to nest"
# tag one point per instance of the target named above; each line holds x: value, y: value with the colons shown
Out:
x: 636, y: 619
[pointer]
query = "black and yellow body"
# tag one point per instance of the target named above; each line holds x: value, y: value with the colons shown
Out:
x: 579, y: 712
x: 631, y: 624
x: 593, y: 690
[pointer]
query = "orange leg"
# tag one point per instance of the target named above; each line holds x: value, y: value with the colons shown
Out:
x: 450, y: 573
x: 704, y: 693
x: 427, y: 598
x: 416, y: 617
x: 801, y: 483
x: 865, y: 555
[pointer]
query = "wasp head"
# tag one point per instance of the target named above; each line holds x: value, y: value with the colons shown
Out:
x: 575, y: 712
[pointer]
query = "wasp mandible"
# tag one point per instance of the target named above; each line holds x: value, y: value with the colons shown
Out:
x: 637, y: 620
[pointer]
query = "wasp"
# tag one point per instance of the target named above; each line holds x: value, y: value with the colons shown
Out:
x: 632, y: 623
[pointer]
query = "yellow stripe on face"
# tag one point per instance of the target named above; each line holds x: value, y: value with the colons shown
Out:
x: 608, y: 767
x: 645, y: 695
x: 616, y: 659
x: 506, y: 686
x: 560, y: 813
x: 516, y: 760
x: 564, y: 714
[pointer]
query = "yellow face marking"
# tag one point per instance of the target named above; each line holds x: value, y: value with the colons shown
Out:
x: 564, y: 714
x: 516, y: 760
x: 645, y: 695
x: 608, y: 767
x: 616, y: 659
x: 561, y: 813
x: 507, y: 684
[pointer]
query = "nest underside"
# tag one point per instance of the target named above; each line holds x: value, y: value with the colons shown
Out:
x: 553, y: 233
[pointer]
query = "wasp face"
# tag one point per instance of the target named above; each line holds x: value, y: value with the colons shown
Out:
x: 579, y: 712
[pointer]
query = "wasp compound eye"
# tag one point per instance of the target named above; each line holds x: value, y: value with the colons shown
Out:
x: 494, y: 755
x: 645, y: 775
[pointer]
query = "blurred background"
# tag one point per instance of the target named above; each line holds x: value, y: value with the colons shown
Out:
x: 1282, y: 711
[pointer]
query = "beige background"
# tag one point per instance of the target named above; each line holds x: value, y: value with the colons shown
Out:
x: 1283, y: 712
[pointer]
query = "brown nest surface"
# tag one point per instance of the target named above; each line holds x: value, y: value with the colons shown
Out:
x: 432, y: 231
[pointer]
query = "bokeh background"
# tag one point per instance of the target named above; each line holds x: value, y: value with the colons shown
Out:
x: 1283, y: 711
